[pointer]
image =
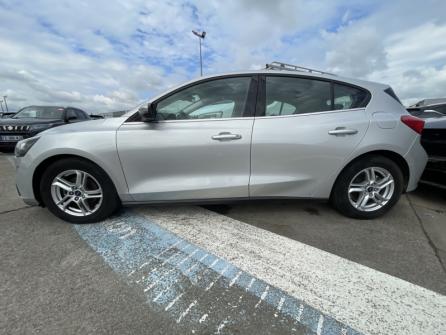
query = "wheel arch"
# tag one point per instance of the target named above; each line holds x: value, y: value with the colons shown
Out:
x: 40, y: 169
x: 392, y: 155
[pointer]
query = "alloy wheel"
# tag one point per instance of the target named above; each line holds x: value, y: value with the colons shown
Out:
x: 371, y: 189
x: 76, y: 192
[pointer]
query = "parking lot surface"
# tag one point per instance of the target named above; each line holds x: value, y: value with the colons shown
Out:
x: 163, y: 270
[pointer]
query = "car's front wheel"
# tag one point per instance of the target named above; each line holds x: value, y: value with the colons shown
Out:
x: 78, y: 191
x: 368, y: 188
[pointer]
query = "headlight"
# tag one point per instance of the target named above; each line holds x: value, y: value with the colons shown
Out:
x: 22, y: 147
x: 40, y: 126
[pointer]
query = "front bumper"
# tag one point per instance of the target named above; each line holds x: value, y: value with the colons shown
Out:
x: 24, y: 179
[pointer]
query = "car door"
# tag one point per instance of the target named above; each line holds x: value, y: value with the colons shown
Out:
x: 305, y: 128
x: 199, y: 147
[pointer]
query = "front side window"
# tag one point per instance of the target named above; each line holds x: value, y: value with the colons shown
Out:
x: 347, y: 97
x: 215, y: 99
x: 289, y: 95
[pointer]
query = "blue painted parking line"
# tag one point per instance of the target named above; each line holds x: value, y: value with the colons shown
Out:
x: 176, y: 277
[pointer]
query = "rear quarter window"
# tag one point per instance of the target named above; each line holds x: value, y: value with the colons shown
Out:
x: 348, y: 97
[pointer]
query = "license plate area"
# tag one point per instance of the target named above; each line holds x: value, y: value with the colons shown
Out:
x: 10, y: 138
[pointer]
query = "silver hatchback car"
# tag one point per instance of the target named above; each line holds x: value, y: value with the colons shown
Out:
x: 282, y: 132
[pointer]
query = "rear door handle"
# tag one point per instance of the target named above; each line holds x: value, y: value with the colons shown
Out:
x: 225, y: 136
x: 340, y: 131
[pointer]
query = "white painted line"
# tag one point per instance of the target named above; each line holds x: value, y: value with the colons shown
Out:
x: 262, y: 297
x: 232, y: 282
x: 299, y: 313
x: 216, y: 279
x: 128, y: 234
x: 250, y: 284
x: 131, y: 273
x: 173, y: 302
x: 148, y: 288
x: 209, y: 268
x: 186, y: 311
x: 222, y: 325
x: 247, y: 289
x: 188, y: 256
x: 320, y: 324
x: 162, y: 292
x: 279, y: 307
x: 196, y: 264
x: 160, y: 254
x: 337, y: 287
x: 203, y: 318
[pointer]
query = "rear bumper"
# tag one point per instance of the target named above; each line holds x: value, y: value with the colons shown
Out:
x: 416, y: 158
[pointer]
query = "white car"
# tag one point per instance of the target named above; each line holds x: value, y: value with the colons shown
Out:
x: 282, y: 132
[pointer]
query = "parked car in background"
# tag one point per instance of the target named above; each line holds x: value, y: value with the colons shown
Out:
x: 433, y: 140
x: 428, y: 108
x: 282, y: 132
x: 31, y: 120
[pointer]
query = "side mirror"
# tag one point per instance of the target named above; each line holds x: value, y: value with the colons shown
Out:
x: 148, y: 114
x: 71, y: 118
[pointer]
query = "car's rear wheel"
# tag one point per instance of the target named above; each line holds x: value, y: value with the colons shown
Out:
x: 368, y: 187
x: 78, y: 191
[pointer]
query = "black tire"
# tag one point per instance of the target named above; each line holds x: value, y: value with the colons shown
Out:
x: 110, y: 200
x: 340, y: 193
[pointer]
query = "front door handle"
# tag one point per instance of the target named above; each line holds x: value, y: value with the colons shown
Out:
x: 225, y: 136
x: 341, y: 131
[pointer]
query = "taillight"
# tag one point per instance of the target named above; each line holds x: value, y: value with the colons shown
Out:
x: 413, y: 123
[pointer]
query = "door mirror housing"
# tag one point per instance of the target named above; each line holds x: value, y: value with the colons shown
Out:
x: 147, y: 114
x: 69, y: 119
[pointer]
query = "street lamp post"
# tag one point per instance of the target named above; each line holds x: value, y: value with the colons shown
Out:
x: 4, y: 99
x: 200, y: 36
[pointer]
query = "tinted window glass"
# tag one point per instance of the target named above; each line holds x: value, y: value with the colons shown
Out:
x: 71, y: 114
x: 288, y: 95
x: 220, y: 98
x: 80, y: 114
x: 346, y: 97
x: 41, y: 112
x: 441, y: 109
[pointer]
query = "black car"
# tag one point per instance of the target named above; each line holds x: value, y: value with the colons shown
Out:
x: 31, y: 120
x: 6, y: 115
x: 428, y: 108
x: 433, y: 140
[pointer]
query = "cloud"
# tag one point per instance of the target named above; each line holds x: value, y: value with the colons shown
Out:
x: 109, y: 55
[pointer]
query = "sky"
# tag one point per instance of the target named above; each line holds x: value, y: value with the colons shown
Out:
x: 108, y: 55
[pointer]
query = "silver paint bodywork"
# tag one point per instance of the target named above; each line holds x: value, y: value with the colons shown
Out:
x: 275, y: 156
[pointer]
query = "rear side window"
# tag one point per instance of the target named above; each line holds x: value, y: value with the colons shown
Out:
x: 288, y: 95
x: 347, y: 97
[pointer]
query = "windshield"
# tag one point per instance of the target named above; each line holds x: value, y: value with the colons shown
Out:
x: 40, y: 112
